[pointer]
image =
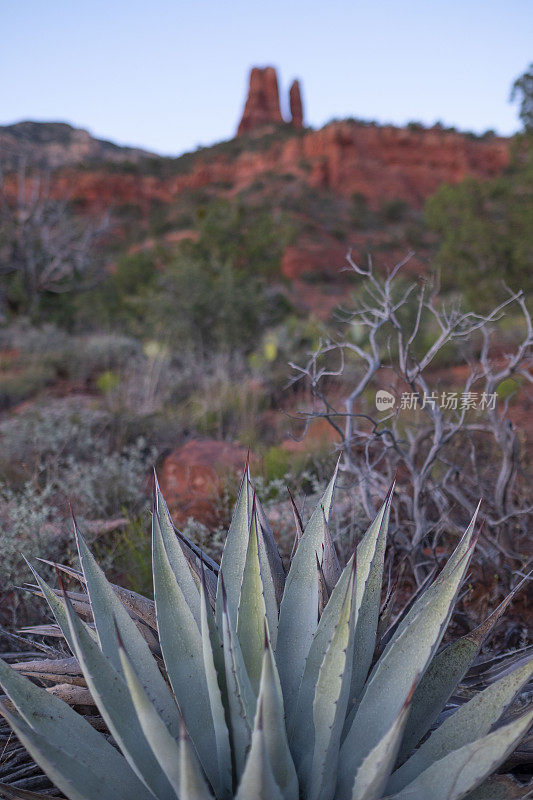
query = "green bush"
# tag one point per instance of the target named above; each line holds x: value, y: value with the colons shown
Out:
x: 210, y: 306
x: 393, y: 210
x: 361, y: 216
x: 486, y: 232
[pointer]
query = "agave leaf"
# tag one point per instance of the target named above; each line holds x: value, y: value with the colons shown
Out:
x: 234, y: 554
x: 462, y: 770
x: 109, y: 614
x: 43, y: 717
x: 443, y: 675
x: 80, y: 602
x: 301, y: 727
x: 241, y: 699
x: 181, y: 644
x: 371, y: 777
x: 298, y: 525
x: 81, y: 605
x: 59, y: 610
x: 66, y: 568
x: 464, y: 726
x: 272, y: 579
x: 437, y: 685
x: 298, y: 615
x: 272, y: 553
x: 252, y: 611
x: 388, y: 633
x: 385, y: 612
x: 111, y: 695
x: 77, y: 776
x: 330, y: 701
x: 258, y: 780
x: 426, y: 597
x: 136, y: 603
x: 399, y: 668
x: 271, y: 703
x: 175, y: 555
x: 164, y: 747
x: 192, y: 782
x: 323, y: 594
x: 210, y: 640
x: 331, y: 569
x: 215, y: 638
x: 193, y: 553
x: 210, y: 577
x: 369, y: 576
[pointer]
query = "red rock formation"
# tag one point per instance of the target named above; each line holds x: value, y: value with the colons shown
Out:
x: 193, y: 476
x: 262, y: 104
x: 343, y: 157
x: 295, y: 103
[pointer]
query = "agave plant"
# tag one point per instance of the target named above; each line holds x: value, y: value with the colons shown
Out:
x: 242, y: 681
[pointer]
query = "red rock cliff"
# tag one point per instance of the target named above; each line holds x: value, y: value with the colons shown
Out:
x: 262, y: 104
x: 348, y: 157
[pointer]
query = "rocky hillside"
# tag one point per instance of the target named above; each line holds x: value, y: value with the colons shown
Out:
x: 50, y: 145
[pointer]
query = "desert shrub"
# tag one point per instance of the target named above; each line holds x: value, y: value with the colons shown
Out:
x: 127, y: 554
x: 393, y: 210
x: 67, y: 450
x: 26, y: 518
x: 245, y: 235
x: 23, y: 384
x: 86, y: 356
x: 28, y: 339
x: 41, y: 353
x: 209, y: 305
x: 107, y: 382
x: 226, y: 406
x: 194, y: 294
x: 360, y: 215
x: 35, y: 442
x: 133, y: 273
x: 289, y: 341
x: 110, y: 481
x: 276, y: 462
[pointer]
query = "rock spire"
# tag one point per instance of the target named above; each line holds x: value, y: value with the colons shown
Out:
x: 262, y: 107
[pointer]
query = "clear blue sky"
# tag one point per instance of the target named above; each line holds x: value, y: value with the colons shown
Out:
x: 170, y: 75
